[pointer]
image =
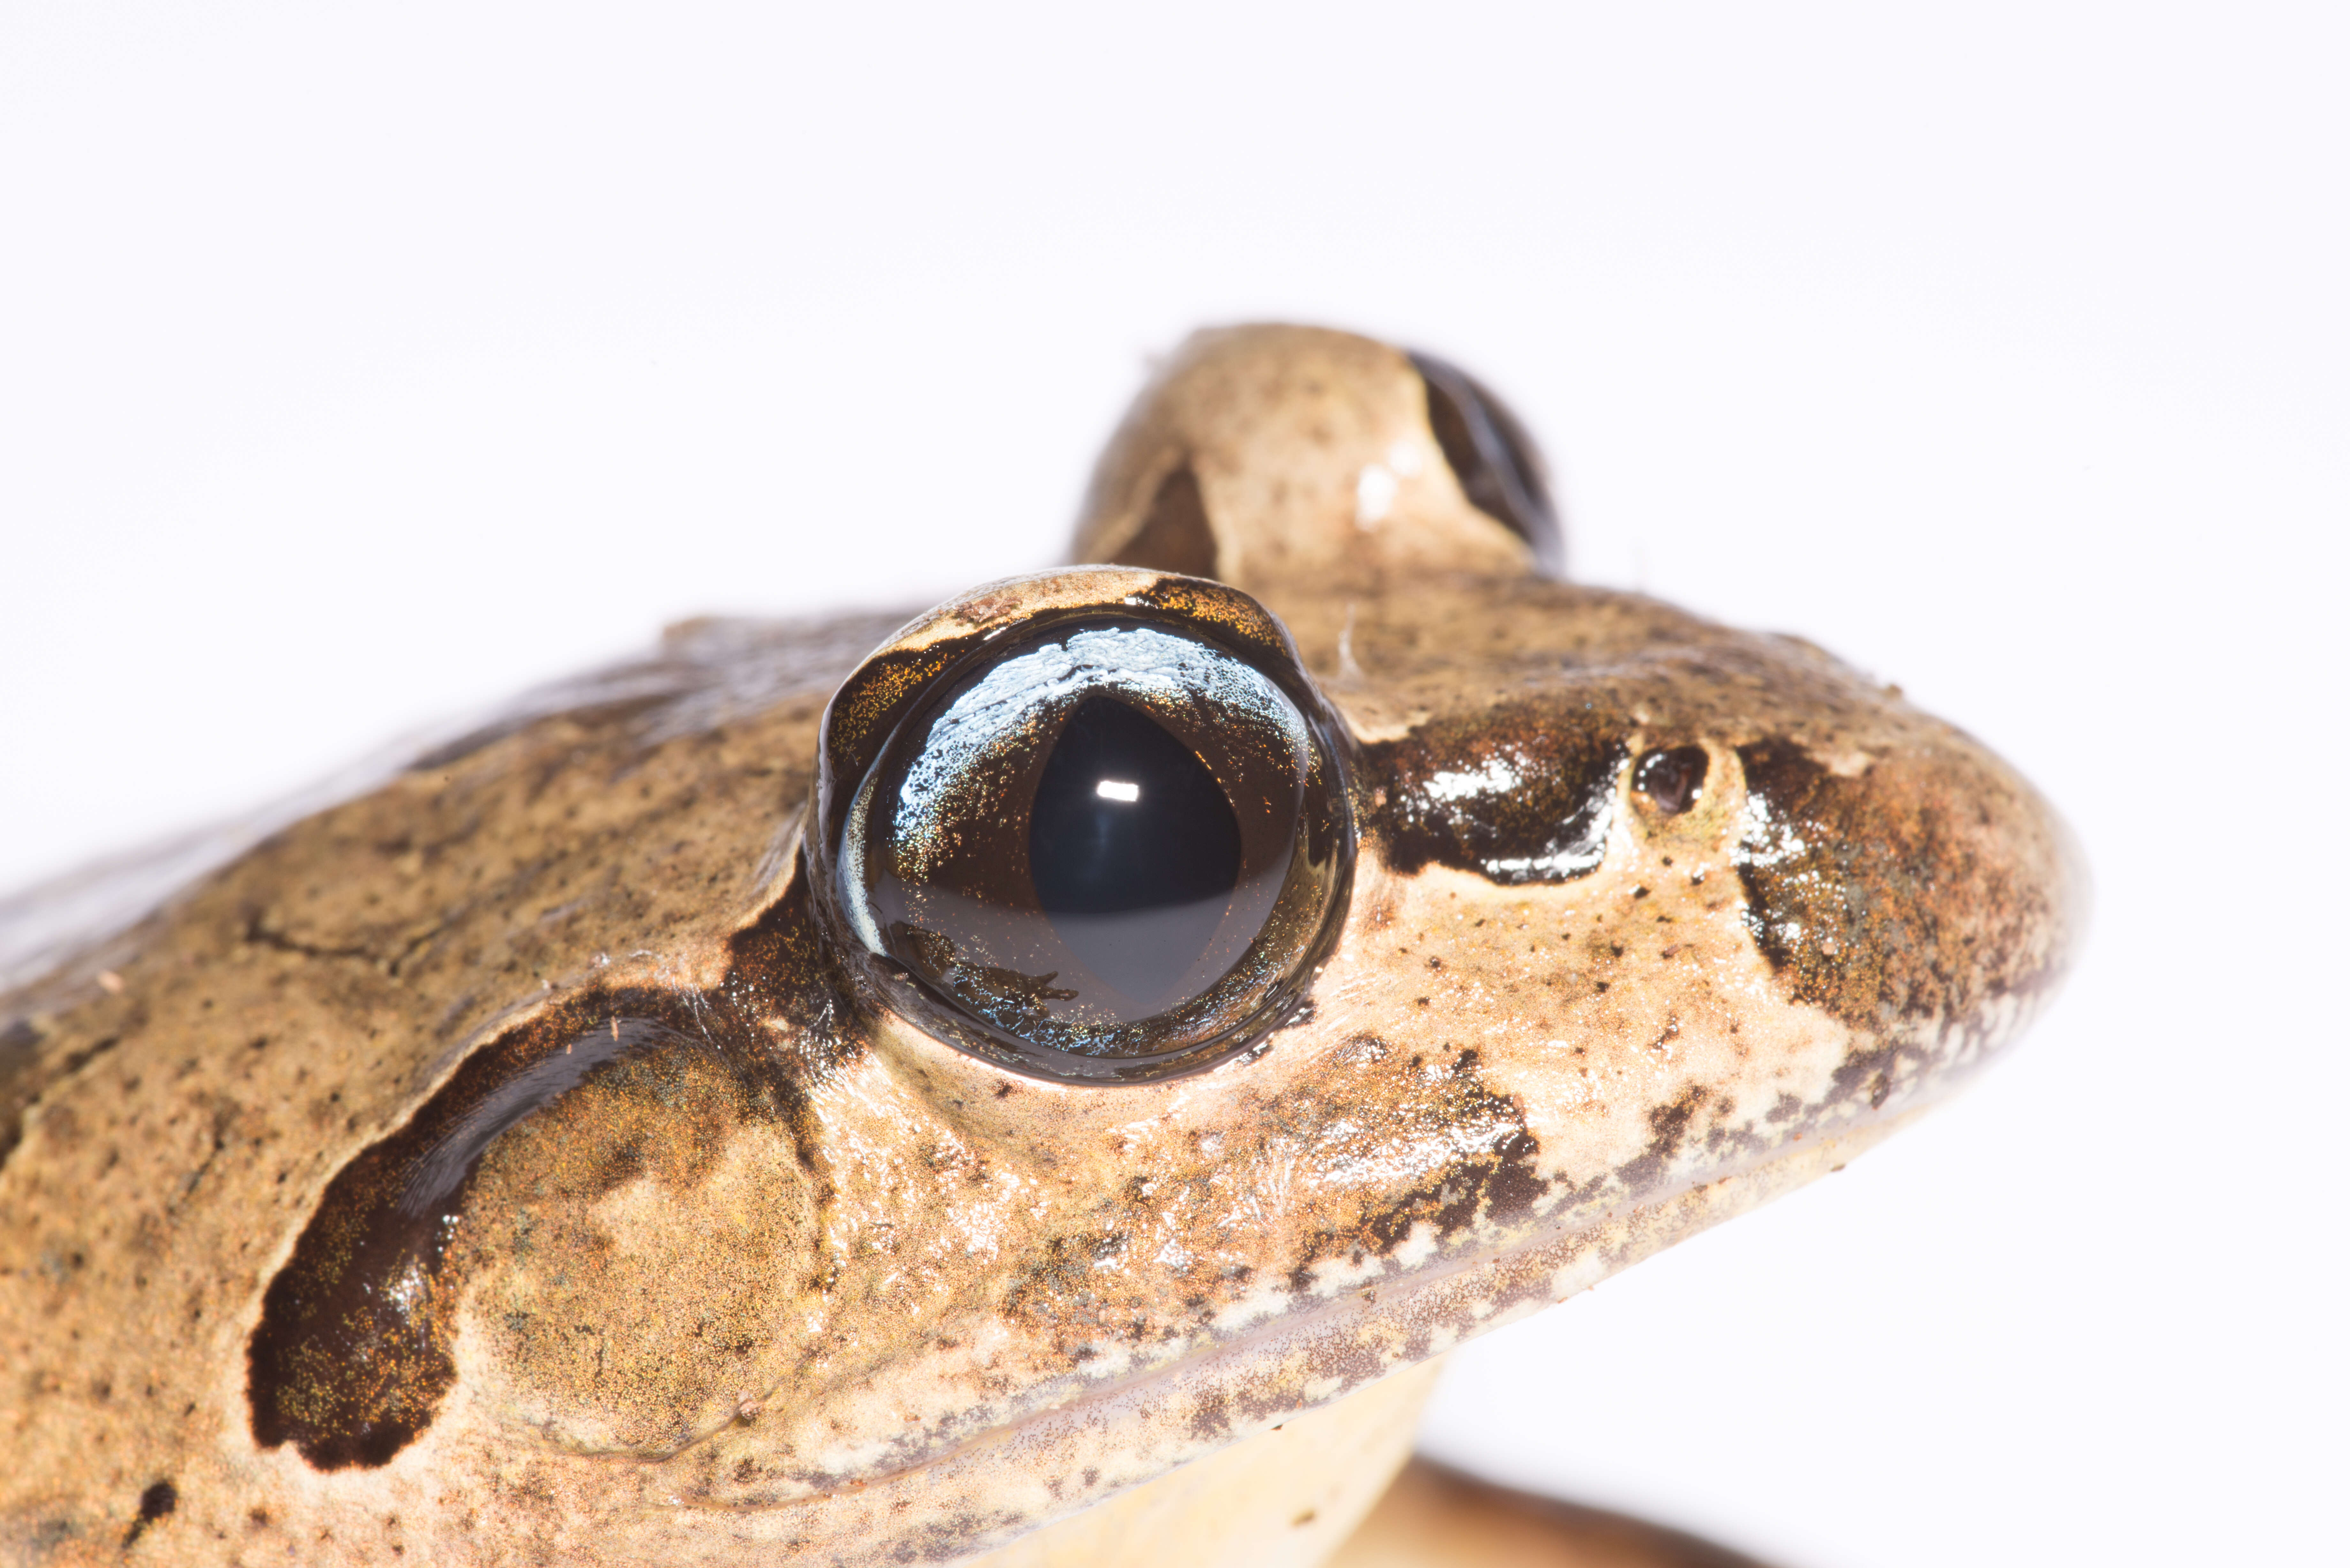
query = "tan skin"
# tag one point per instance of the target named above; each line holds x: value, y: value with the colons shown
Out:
x: 568, y: 1151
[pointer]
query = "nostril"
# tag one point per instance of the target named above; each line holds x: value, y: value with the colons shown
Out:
x: 1670, y: 777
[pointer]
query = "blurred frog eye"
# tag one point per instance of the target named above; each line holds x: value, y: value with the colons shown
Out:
x: 1499, y: 467
x: 1110, y: 850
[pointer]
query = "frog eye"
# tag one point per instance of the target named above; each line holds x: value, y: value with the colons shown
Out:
x: 1497, y: 463
x: 1109, y: 849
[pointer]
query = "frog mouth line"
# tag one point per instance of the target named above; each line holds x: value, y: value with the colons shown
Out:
x: 999, y: 1485
x: 1105, y: 1439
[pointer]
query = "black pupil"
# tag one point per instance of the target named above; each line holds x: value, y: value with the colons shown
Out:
x: 1133, y: 848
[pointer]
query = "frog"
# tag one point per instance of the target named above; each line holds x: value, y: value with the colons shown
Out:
x: 1043, y: 1079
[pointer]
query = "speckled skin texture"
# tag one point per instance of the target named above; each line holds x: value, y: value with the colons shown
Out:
x: 770, y: 1273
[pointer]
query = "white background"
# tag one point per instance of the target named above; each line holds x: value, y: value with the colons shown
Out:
x: 359, y: 365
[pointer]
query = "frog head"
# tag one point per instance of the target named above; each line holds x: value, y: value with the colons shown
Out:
x: 1149, y: 1001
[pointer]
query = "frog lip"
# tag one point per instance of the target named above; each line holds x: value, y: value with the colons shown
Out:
x: 1096, y: 1440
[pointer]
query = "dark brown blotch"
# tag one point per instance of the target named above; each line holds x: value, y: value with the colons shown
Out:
x: 1905, y: 894
x: 351, y: 1358
x: 1495, y: 1184
x: 155, y: 1504
x: 1522, y: 792
x: 1668, y: 1127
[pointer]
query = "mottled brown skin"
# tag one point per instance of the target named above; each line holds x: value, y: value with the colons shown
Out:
x: 754, y: 1268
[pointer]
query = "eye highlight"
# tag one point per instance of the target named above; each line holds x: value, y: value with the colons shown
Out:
x: 1108, y: 850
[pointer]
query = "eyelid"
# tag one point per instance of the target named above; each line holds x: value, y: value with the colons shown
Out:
x: 1142, y: 662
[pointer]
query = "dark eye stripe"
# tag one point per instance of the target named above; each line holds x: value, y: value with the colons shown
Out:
x: 1522, y: 792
